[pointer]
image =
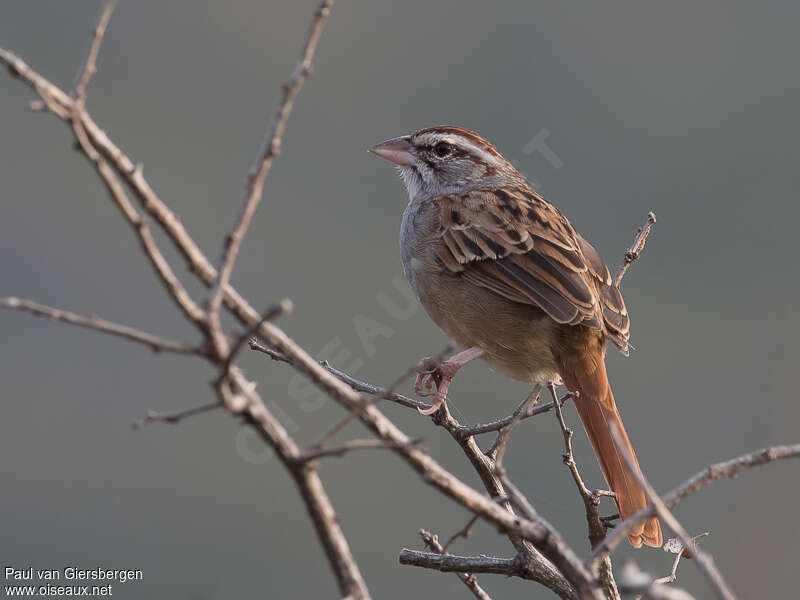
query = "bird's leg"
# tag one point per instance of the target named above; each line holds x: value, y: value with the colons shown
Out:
x: 442, y: 374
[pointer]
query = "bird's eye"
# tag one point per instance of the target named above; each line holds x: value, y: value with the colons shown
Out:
x: 442, y: 149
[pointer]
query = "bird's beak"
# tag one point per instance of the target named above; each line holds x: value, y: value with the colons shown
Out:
x: 399, y: 150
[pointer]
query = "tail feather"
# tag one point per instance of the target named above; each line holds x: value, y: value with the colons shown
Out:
x: 597, y: 410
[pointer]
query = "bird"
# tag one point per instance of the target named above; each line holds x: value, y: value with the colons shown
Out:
x: 506, y: 276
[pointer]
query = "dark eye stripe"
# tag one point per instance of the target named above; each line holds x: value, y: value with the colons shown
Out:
x: 454, y: 150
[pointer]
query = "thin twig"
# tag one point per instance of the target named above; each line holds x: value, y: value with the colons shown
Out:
x: 432, y: 542
x: 515, y: 496
x: 591, y: 501
x: 728, y: 468
x: 282, y: 346
x: 318, y: 504
x: 383, y: 393
x: 680, y: 553
x: 375, y: 399
x: 173, y: 418
x: 155, y: 343
x: 704, y: 561
x: 116, y: 192
x: 633, y: 580
x: 90, y: 66
x: 498, y: 424
x: 543, y: 535
x: 314, y: 453
x: 464, y: 532
x: 374, y: 390
x: 76, y: 115
x: 273, y: 312
x: 537, y: 567
x: 632, y: 253
x: 273, y: 354
x: 453, y: 563
x: 255, y: 185
x: 498, y: 448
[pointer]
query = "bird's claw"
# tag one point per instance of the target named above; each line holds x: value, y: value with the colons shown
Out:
x: 429, y: 373
x: 423, y: 384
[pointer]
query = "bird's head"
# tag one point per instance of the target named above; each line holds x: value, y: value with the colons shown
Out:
x: 445, y: 160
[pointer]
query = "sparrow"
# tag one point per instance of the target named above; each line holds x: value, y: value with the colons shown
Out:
x: 505, y: 275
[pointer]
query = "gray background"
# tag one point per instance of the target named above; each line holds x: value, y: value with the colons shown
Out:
x: 685, y: 108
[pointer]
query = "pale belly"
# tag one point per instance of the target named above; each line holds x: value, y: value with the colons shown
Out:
x: 516, y: 337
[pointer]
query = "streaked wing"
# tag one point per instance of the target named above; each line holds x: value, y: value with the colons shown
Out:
x: 516, y: 244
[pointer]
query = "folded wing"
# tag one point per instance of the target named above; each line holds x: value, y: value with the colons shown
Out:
x: 514, y: 243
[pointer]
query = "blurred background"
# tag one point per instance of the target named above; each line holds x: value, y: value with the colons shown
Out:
x: 688, y: 109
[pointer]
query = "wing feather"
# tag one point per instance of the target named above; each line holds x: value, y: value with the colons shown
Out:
x: 514, y: 243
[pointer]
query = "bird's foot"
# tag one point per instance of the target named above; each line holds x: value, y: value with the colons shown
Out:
x: 441, y: 374
x: 427, y: 376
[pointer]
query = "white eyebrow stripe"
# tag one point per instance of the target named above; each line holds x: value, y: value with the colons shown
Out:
x: 461, y: 142
x: 485, y: 156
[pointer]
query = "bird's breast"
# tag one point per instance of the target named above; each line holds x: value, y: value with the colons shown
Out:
x: 517, y: 337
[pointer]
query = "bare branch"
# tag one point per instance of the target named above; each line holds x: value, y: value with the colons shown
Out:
x: 155, y: 343
x: 704, y: 561
x: 388, y: 392
x: 539, y: 568
x: 273, y: 312
x: 236, y: 393
x: 359, y: 444
x: 281, y: 344
x: 432, y: 542
x: 235, y: 390
x: 374, y: 390
x: 259, y: 347
x: 173, y: 418
x: 538, y: 531
x: 591, y: 502
x: 497, y: 425
x: 239, y: 394
x: 464, y: 431
x: 90, y: 66
x: 591, y: 499
x: 168, y: 279
x: 498, y: 447
x: 680, y: 552
x: 60, y: 104
x: 728, y: 468
x: 632, y: 253
x: 530, y: 555
x: 464, y: 532
x: 515, y: 496
x: 452, y: 563
x: 632, y: 580
x: 258, y: 174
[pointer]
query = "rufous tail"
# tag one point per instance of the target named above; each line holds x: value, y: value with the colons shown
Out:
x: 586, y: 374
